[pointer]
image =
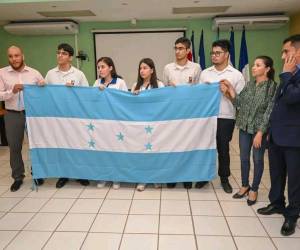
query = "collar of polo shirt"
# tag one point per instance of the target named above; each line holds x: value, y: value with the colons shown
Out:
x: 228, y: 68
x: 69, y: 71
x: 187, y: 65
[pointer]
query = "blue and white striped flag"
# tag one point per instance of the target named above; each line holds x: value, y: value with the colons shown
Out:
x: 244, y: 63
x: 161, y: 135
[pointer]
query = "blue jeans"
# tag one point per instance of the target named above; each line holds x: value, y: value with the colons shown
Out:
x: 245, y: 142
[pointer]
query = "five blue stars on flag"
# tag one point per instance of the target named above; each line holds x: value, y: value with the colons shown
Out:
x: 120, y: 136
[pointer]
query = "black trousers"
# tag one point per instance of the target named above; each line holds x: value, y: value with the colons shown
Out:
x: 224, y: 135
x: 285, y: 164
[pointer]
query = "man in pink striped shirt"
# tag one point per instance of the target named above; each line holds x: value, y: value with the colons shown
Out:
x: 12, y: 79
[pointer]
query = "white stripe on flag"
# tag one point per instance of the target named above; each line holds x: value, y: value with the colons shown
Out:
x: 122, y: 136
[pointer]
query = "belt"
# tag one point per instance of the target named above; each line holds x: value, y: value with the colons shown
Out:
x: 16, y: 111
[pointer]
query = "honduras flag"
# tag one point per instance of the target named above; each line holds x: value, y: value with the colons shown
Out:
x: 244, y: 64
x: 160, y: 136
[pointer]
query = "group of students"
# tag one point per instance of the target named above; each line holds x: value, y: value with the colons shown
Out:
x: 246, y: 106
x: 179, y: 72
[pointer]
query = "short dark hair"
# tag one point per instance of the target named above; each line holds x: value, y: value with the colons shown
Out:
x: 293, y: 39
x: 185, y: 41
x: 66, y: 47
x: 223, y: 43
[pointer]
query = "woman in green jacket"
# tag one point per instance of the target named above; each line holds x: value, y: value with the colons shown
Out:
x: 254, y: 105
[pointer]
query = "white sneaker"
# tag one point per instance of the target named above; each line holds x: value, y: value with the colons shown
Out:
x: 141, y: 187
x: 101, y: 184
x: 157, y: 185
x: 116, y: 185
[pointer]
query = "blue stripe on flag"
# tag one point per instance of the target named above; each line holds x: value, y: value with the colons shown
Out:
x: 161, y: 104
x: 198, y: 165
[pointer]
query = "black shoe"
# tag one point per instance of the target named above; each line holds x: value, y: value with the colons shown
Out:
x: 252, y: 202
x: 226, y: 186
x: 270, y: 209
x: 240, y: 196
x: 288, y: 227
x: 171, y: 185
x: 200, y: 184
x: 188, y: 185
x: 16, y: 185
x: 61, y: 182
x: 39, y: 182
x: 84, y: 182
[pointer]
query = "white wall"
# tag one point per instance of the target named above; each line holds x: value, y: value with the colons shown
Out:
x: 127, y: 49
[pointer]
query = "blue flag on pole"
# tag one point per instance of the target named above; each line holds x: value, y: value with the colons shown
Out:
x: 218, y: 33
x: 201, y: 53
x: 160, y: 136
x: 191, y: 55
x: 232, y: 48
x: 244, y: 63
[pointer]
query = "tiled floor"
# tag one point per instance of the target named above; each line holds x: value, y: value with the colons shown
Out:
x: 77, y: 217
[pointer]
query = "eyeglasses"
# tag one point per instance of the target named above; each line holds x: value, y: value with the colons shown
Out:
x: 216, y: 53
x: 179, y: 48
x: 64, y: 53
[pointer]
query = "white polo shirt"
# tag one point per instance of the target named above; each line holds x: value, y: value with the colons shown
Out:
x: 116, y: 83
x: 73, y: 75
x: 189, y: 73
x: 159, y: 85
x: 236, y: 79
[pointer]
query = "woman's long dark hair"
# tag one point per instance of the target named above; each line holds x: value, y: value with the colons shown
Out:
x: 268, y: 61
x: 153, y: 78
x: 108, y: 61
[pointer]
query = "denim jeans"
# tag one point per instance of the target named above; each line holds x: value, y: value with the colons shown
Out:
x: 245, y: 142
